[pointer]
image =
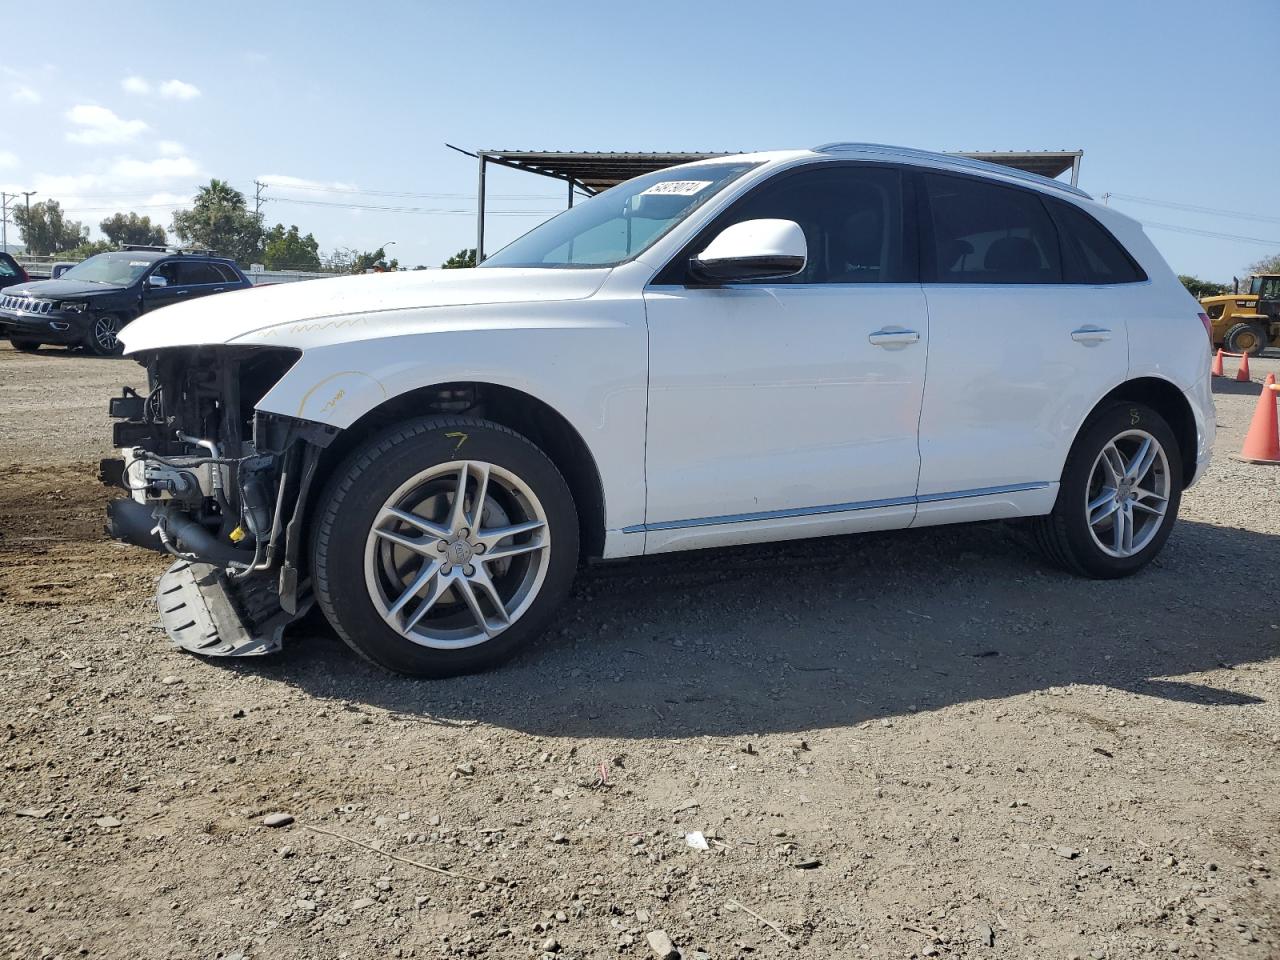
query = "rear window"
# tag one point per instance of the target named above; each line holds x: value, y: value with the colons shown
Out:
x: 988, y: 233
x: 1090, y: 254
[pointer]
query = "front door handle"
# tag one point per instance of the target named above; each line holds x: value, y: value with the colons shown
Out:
x: 1090, y: 335
x: 891, y: 338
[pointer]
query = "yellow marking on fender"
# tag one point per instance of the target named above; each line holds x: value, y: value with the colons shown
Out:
x: 462, y: 438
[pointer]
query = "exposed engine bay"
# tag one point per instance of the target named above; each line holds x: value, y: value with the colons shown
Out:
x: 220, y: 487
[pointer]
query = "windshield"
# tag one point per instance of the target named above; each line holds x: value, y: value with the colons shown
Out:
x: 1267, y: 288
x: 621, y: 222
x: 108, y: 268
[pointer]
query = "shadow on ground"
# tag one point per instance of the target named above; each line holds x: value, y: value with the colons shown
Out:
x: 833, y: 632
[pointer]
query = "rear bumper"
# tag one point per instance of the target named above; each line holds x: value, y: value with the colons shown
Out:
x: 45, y: 329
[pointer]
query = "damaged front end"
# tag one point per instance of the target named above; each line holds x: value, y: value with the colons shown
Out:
x: 220, y: 486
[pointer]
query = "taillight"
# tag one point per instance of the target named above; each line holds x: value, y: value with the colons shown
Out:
x: 1208, y: 326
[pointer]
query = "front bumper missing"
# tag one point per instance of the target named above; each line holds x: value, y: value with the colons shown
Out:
x: 205, y: 613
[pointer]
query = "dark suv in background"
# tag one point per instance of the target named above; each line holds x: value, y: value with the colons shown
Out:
x: 11, y: 272
x: 89, y: 304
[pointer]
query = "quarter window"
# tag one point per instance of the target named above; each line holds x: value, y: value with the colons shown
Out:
x: 851, y: 218
x: 988, y: 233
x: 1089, y: 253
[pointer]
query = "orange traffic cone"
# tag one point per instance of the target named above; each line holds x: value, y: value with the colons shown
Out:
x: 1262, y: 442
x: 1216, y: 369
x: 1242, y: 375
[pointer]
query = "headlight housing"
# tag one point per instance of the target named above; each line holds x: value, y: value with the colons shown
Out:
x: 73, y: 306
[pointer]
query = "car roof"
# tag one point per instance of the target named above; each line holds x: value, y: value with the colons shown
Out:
x: 913, y: 157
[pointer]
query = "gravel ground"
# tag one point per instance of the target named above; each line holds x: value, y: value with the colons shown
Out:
x: 904, y: 745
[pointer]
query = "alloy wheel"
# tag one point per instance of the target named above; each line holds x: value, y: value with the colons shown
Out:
x: 106, y: 333
x: 1128, y: 493
x: 457, y: 554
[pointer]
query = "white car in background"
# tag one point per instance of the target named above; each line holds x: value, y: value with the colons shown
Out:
x: 760, y: 347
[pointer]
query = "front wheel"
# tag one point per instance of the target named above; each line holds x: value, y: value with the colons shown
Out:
x: 1119, y: 495
x: 103, y: 339
x: 442, y: 545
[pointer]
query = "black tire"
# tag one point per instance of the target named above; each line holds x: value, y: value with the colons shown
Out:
x: 26, y: 346
x: 99, y: 340
x: 1064, y: 535
x: 1250, y: 338
x: 364, y: 482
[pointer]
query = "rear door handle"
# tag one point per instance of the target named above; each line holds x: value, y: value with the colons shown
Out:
x: 891, y: 339
x: 1090, y: 335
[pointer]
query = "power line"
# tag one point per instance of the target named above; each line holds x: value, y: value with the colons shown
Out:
x: 422, y: 210
x: 406, y: 194
x: 1193, y: 208
x: 1209, y: 233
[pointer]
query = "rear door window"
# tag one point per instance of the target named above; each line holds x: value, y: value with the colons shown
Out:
x: 989, y: 233
x: 1090, y: 254
x: 195, y: 273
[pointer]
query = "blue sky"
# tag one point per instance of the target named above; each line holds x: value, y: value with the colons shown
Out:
x: 142, y: 103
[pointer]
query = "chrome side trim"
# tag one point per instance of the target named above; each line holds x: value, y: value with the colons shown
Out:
x: 833, y: 508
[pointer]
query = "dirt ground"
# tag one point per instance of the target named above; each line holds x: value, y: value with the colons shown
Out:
x: 911, y: 745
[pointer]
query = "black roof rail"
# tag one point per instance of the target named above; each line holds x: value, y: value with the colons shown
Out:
x: 155, y: 248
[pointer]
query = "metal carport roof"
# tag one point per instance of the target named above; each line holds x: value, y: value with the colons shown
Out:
x: 592, y: 171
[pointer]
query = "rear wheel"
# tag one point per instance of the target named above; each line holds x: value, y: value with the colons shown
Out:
x: 1250, y: 338
x: 26, y: 346
x: 103, y: 339
x: 444, y: 544
x: 1119, y: 496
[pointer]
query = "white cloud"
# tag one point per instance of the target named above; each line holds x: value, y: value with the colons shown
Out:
x: 8, y: 159
x: 286, y: 183
x: 161, y: 168
x: 100, y: 125
x: 170, y: 148
x: 136, y: 84
x: 179, y: 90
x: 24, y: 94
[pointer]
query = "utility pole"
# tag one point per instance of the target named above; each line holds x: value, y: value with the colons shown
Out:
x: 4, y: 220
x: 258, y: 198
x: 27, y: 194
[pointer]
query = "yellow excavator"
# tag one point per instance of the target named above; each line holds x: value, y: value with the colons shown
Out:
x: 1246, y: 322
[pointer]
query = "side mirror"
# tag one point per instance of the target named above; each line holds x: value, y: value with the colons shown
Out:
x: 753, y: 250
x: 157, y: 282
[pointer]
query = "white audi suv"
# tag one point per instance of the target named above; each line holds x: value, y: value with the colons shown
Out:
x: 760, y: 347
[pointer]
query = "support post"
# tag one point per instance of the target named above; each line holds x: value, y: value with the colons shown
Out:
x: 570, y: 194
x: 1075, y: 170
x: 480, y: 212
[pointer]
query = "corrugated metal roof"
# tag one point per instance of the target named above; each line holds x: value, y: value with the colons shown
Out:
x: 599, y: 170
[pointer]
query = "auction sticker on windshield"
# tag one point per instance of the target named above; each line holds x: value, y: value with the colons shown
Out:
x: 678, y: 188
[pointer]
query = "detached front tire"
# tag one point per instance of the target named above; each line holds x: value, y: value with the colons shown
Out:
x: 442, y: 545
x: 1119, y: 495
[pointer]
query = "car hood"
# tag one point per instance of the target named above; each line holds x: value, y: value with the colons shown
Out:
x: 226, y: 317
x: 60, y: 289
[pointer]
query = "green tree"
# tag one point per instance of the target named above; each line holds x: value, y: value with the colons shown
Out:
x: 219, y: 220
x: 1201, y: 288
x: 1269, y: 264
x: 463, y: 258
x: 46, y: 230
x: 90, y: 248
x: 122, y: 228
x: 375, y: 261
x: 288, y: 250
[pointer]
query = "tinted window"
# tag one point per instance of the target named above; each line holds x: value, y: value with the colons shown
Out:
x: 192, y: 273
x: 226, y: 273
x: 851, y: 218
x: 987, y: 233
x: 168, y: 270
x: 5, y: 269
x: 1089, y: 253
